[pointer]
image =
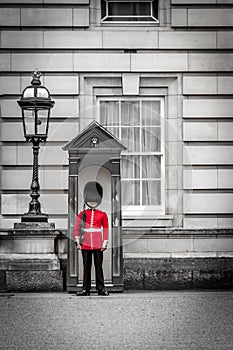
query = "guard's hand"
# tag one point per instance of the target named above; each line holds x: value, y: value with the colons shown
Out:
x: 79, y: 247
x: 103, y: 249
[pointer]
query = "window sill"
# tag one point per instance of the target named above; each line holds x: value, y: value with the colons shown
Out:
x: 130, y: 24
x: 159, y: 220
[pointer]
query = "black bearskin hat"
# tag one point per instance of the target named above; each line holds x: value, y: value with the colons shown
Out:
x: 93, y: 192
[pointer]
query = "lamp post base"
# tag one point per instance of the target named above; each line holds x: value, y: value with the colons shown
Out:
x: 36, y: 221
x: 34, y: 217
x: 27, y: 226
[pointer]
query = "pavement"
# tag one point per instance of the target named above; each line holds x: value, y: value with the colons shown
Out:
x: 169, y: 320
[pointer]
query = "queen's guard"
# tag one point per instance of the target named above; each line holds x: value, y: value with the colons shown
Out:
x: 91, y: 237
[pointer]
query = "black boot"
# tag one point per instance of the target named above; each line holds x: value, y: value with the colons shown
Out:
x: 103, y: 292
x: 83, y: 293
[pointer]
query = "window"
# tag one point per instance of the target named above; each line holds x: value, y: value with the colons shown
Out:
x: 139, y: 125
x: 129, y: 11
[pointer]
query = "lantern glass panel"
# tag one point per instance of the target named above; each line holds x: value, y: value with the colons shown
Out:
x: 42, y: 121
x: 29, y: 122
x: 42, y: 92
x: 29, y: 92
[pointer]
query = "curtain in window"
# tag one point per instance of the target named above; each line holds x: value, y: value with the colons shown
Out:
x: 151, y: 180
x: 130, y: 121
x: 109, y: 116
x: 151, y: 192
x: 138, y: 126
x: 131, y: 167
x: 130, y: 192
x: 151, y: 113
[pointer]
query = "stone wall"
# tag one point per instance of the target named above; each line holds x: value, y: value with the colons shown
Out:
x: 185, y: 59
x: 153, y: 260
x: 178, y: 259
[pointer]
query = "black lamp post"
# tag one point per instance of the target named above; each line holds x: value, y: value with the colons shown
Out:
x: 35, y: 103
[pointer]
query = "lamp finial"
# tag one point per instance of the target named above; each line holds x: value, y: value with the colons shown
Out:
x: 36, y: 77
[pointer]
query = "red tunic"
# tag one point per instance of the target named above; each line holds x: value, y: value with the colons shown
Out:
x: 93, y: 239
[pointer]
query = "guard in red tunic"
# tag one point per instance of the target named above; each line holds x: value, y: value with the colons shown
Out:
x: 91, y: 237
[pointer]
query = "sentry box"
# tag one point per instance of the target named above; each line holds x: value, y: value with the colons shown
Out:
x: 95, y: 155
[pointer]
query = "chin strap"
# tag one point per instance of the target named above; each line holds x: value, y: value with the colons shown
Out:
x: 90, y: 206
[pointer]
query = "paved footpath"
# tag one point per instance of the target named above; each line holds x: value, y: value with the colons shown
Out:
x: 132, y: 320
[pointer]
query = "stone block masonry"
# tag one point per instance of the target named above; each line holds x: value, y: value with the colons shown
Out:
x: 178, y: 259
x: 150, y: 263
x: 34, y: 281
x: 28, y: 261
x: 178, y: 273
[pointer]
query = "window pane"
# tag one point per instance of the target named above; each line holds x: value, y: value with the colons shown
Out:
x: 151, y: 139
x: 151, y: 192
x: 151, y: 113
x: 130, y: 167
x: 129, y: 11
x: 130, y: 113
x: 151, y: 167
x: 114, y: 131
x: 109, y: 113
x: 129, y: 8
x: 131, y: 138
x: 103, y: 8
x: 130, y: 192
x: 138, y: 125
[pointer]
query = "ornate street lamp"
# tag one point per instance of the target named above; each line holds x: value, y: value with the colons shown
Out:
x: 35, y: 104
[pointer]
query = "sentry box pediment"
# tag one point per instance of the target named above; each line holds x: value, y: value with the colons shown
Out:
x: 94, y: 136
x: 95, y: 145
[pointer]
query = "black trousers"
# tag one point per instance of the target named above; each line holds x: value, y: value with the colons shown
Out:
x: 87, y: 263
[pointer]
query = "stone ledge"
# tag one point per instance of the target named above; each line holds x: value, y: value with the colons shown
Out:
x: 33, y: 231
x: 200, y: 255
x: 27, y: 262
x: 174, y: 233
x: 34, y: 225
x: 141, y: 222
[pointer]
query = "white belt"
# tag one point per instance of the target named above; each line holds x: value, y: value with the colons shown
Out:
x: 93, y: 230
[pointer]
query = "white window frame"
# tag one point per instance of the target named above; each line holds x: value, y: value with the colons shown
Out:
x: 144, y: 210
x: 153, y: 19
